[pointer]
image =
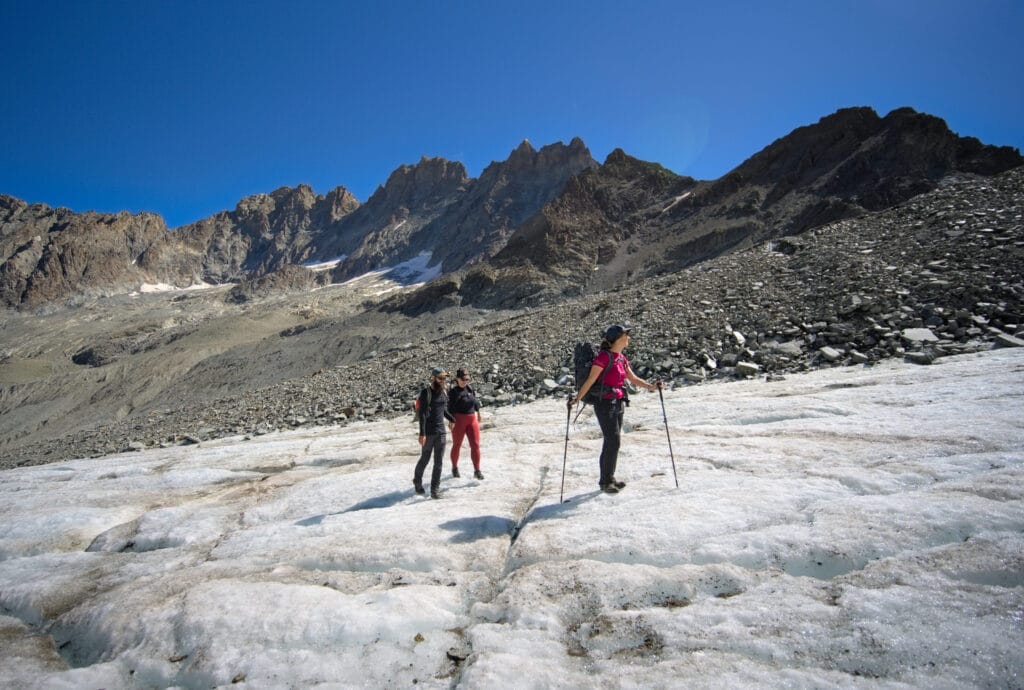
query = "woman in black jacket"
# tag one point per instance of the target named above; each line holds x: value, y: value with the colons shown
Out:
x: 432, y: 405
x: 464, y: 406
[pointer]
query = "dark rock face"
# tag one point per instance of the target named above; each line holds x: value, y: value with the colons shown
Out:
x: 505, y: 196
x: 380, y: 232
x: 50, y: 256
x: 863, y: 161
x: 461, y: 220
x: 264, y: 232
x: 631, y: 218
x: 434, y: 297
x: 848, y: 163
x: 584, y: 227
x: 288, y: 278
x: 47, y: 255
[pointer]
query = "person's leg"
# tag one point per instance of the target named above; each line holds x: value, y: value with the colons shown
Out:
x: 438, y: 448
x: 609, y: 416
x: 619, y: 415
x: 421, y: 465
x: 473, y: 434
x: 458, y: 432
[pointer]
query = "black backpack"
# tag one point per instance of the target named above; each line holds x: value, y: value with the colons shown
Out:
x: 583, y: 359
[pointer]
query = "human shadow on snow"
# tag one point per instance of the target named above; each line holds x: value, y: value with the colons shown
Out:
x: 556, y: 511
x: 471, y: 529
x: 553, y: 511
x: 383, y: 501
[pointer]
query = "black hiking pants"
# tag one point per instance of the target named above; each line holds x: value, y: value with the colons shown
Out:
x: 434, y: 444
x: 609, y: 416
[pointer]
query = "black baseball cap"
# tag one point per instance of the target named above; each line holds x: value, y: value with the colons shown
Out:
x: 613, y: 333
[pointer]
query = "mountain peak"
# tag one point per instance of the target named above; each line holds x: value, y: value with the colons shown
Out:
x: 617, y: 157
x: 524, y: 154
x: 340, y: 202
x: 524, y: 147
x: 422, y: 179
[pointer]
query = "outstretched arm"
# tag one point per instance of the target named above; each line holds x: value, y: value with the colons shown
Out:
x: 633, y: 378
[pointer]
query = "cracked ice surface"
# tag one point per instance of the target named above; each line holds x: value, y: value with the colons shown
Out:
x: 850, y: 527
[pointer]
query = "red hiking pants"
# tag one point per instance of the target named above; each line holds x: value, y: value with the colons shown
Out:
x: 468, y: 426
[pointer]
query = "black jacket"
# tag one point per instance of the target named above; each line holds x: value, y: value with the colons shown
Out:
x: 432, y: 418
x: 462, y: 400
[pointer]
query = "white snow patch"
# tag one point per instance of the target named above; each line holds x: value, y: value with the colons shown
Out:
x: 416, y: 271
x: 411, y: 273
x: 327, y: 265
x: 675, y: 201
x: 146, y: 288
x: 850, y: 527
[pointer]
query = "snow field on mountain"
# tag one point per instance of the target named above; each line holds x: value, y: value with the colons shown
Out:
x: 846, y: 527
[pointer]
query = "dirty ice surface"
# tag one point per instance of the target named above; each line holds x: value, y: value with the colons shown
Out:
x: 856, y: 527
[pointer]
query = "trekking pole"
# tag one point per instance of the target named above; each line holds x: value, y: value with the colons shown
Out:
x: 665, y: 417
x: 565, y: 455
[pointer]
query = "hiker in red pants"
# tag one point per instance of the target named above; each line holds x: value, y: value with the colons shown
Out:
x: 464, y: 406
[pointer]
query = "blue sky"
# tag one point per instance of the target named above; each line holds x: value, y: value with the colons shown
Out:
x: 183, y: 108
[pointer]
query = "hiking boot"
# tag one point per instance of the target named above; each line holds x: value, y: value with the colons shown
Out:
x: 478, y: 475
x: 609, y: 488
x: 455, y: 472
x: 419, y: 487
x: 434, y: 493
x: 617, y: 484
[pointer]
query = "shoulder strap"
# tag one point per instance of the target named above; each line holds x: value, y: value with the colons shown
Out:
x: 604, y: 372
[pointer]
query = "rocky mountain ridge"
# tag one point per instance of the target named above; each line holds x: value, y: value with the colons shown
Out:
x: 461, y: 220
x: 629, y: 218
x: 51, y: 256
x: 536, y: 227
x: 938, y: 275
x: 265, y: 232
x: 378, y: 234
